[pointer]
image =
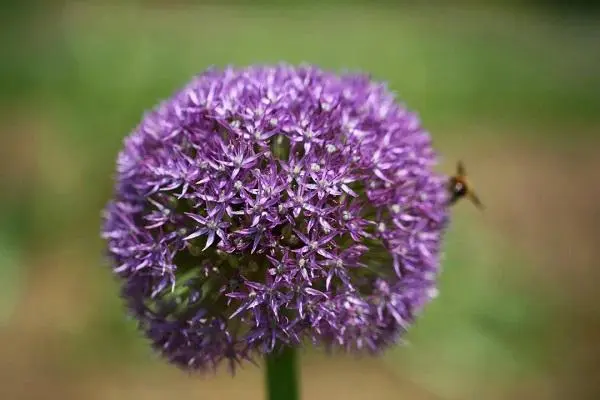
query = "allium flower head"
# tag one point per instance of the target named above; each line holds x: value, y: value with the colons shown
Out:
x: 263, y: 206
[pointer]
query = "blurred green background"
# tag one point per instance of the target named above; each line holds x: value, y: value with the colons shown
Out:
x: 512, y: 88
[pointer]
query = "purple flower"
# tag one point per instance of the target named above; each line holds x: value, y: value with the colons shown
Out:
x: 263, y: 206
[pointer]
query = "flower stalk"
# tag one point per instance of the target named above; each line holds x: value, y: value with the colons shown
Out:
x: 282, y: 375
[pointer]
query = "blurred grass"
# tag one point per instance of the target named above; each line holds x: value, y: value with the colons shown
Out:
x: 86, y: 73
x: 500, y: 337
x: 10, y: 277
x: 449, y: 65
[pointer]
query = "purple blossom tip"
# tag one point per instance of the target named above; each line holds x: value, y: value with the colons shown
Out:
x: 263, y: 206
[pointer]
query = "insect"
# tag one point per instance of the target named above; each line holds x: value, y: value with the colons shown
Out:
x: 459, y: 187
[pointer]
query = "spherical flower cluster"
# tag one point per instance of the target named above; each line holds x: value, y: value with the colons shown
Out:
x: 263, y: 206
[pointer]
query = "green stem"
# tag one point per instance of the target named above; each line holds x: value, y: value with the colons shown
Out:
x: 282, y: 375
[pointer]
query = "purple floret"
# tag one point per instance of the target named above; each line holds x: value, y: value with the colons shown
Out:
x: 260, y: 207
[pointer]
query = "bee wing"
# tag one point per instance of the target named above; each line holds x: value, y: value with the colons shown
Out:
x: 460, y: 169
x: 475, y: 200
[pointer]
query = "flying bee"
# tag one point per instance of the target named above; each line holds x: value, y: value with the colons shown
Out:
x: 459, y: 187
